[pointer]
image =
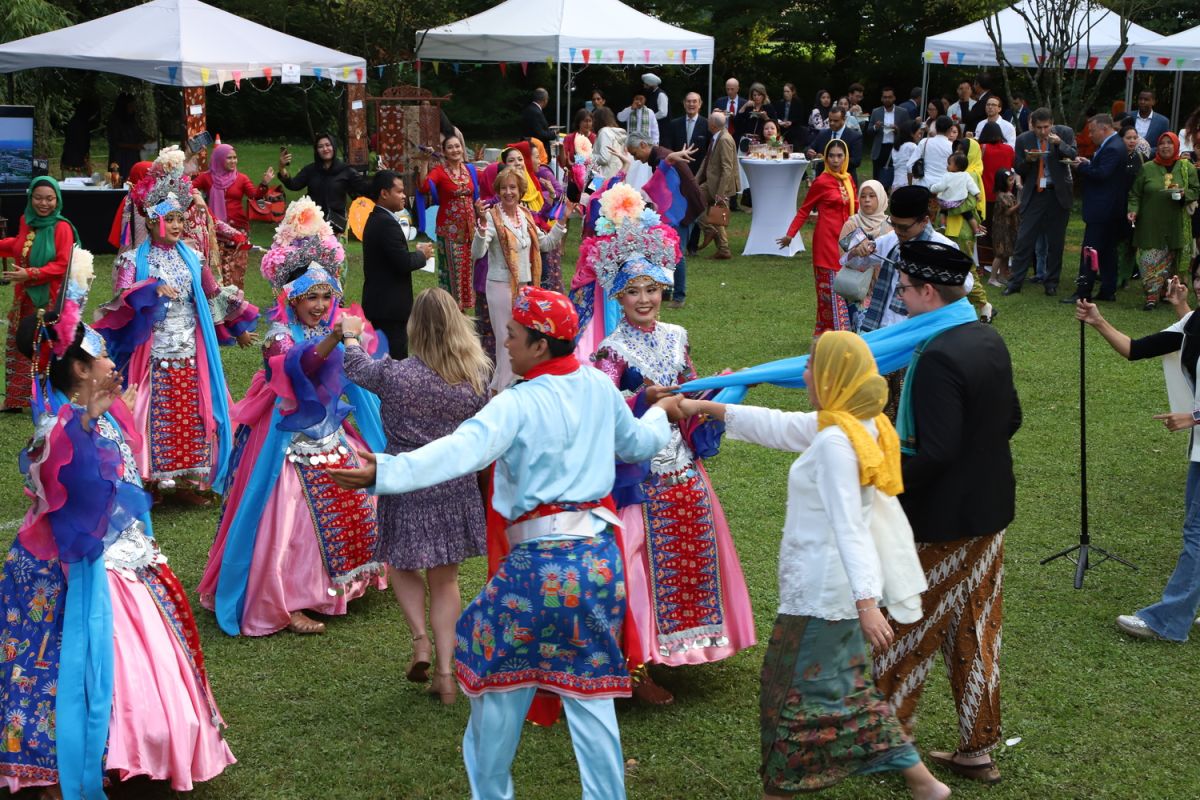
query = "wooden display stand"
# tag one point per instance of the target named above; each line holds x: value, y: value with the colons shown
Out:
x: 407, y: 118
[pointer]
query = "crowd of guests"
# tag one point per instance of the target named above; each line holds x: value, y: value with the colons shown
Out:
x: 564, y: 437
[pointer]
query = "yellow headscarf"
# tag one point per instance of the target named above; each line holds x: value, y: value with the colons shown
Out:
x: 843, y: 174
x: 975, y: 170
x: 850, y: 389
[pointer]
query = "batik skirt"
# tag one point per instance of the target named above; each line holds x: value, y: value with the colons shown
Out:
x: 18, y: 381
x: 832, y: 312
x: 456, y: 270
x: 822, y: 718
x: 179, y: 444
x: 551, y: 618
x: 1157, y: 266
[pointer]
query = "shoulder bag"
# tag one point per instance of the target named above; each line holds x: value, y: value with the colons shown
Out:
x: 917, y: 170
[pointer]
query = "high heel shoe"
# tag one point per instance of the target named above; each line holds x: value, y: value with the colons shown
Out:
x: 445, y: 687
x: 418, y: 670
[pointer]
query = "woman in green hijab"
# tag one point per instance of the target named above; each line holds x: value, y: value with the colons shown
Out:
x: 40, y: 251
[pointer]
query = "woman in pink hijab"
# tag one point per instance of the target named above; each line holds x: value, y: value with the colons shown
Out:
x: 226, y: 188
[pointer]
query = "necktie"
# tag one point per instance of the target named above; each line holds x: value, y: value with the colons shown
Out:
x: 1041, y: 178
x: 837, y: 134
x: 691, y: 126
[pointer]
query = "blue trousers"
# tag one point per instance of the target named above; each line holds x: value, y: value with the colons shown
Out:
x: 679, y: 292
x: 1172, y: 616
x: 494, y: 731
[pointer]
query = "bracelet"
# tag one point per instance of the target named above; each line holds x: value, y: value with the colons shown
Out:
x: 350, y: 335
x: 867, y: 608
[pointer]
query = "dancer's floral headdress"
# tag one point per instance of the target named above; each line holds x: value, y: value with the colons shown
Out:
x: 304, y: 240
x: 165, y: 188
x: 631, y: 241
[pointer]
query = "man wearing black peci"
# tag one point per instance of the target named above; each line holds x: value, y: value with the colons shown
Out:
x: 958, y: 410
x: 388, y: 265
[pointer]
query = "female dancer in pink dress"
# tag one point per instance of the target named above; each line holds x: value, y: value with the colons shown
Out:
x: 685, y: 584
x: 289, y: 539
x: 182, y: 410
x: 102, y: 667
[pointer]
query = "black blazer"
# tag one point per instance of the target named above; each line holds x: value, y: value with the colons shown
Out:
x: 960, y: 483
x: 535, y: 126
x: 1058, y: 172
x: 387, y: 269
x: 853, y: 140
x: 677, y: 132
x: 1102, y: 182
x: 797, y: 114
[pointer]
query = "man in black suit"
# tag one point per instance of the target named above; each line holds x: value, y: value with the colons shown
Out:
x: 837, y: 130
x: 1046, y: 197
x: 978, y: 112
x: 958, y: 411
x: 533, y: 119
x: 690, y: 129
x: 388, y: 265
x: 1104, y: 199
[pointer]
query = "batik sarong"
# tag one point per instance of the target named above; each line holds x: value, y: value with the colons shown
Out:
x: 179, y: 444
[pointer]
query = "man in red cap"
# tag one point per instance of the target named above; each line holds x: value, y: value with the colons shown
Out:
x: 551, y: 617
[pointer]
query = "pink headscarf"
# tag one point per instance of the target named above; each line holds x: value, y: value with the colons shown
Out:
x: 222, y: 179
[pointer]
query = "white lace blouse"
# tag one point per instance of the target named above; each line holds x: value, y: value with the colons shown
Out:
x: 827, y: 558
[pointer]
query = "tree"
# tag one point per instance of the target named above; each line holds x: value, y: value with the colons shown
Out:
x: 1065, y: 77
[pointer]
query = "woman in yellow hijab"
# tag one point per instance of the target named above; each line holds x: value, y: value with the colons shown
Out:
x: 822, y: 718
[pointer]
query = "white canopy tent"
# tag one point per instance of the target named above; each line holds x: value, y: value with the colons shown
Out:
x: 179, y: 43
x: 1100, y: 30
x: 567, y: 32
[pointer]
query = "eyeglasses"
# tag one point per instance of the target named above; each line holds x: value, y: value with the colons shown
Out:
x: 903, y: 227
x: 901, y: 288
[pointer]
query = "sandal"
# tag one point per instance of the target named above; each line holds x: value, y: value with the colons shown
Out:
x: 304, y: 625
x: 418, y: 670
x: 445, y: 687
x: 649, y: 692
x: 986, y: 772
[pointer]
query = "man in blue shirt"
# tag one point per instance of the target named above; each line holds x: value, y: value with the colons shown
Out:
x: 551, y: 617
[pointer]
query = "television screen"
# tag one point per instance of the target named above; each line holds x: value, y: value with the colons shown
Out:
x: 16, y: 147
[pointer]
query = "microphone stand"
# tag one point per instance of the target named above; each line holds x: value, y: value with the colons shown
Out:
x: 1081, y: 554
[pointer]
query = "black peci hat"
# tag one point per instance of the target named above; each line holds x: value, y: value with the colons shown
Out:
x: 934, y: 262
x: 909, y: 202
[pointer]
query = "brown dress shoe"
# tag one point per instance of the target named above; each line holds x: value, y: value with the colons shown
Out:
x: 675, y: 304
x: 721, y: 255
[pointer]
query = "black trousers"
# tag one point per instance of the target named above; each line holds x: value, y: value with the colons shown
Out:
x: 1042, y: 217
x: 1103, y: 237
x: 396, y: 331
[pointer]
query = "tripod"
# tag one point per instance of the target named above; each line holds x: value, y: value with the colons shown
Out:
x: 1081, y: 554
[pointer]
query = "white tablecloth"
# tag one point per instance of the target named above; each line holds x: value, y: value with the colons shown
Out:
x: 776, y: 186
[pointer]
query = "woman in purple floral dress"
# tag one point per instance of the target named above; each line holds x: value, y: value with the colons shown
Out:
x: 426, y: 396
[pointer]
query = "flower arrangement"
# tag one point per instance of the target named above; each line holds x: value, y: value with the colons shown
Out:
x: 171, y: 159
x: 302, y: 219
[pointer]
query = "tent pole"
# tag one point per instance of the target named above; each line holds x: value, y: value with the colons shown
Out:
x: 558, y: 90
x: 570, y: 83
x: 710, y: 88
x: 1129, y: 90
x: 924, y: 86
x: 1175, y: 123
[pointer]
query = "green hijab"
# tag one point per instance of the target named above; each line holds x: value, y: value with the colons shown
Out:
x: 43, y: 251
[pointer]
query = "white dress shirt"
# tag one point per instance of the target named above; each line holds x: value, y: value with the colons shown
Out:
x: 889, y: 126
x: 1007, y: 128
x: 936, y: 152
x: 1143, y: 125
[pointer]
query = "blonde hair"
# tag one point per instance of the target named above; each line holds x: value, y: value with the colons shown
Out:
x: 445, y: 339
x: 511, y: 172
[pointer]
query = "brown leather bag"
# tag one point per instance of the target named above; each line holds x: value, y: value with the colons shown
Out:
x: 718, y: 214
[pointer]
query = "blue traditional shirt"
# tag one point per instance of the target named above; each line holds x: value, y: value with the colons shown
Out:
x: 553, y: 439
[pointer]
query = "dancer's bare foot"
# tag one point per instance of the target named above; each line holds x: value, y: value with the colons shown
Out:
x: 304, y: 625
x: 649, y: 692
x: 923, y: 786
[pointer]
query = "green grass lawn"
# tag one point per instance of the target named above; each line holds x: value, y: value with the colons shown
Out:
x: 1098, y: 715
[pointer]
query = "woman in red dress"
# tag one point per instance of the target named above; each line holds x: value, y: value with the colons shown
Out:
x: 454, y: 187
x: 833, y: 196
x: 40, y: 252
x: 227, y: 189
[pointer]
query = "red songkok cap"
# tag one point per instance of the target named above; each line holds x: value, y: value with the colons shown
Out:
x: 546, y: 312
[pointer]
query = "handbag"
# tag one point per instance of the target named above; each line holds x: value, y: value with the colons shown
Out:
x: 717, y: 215
x: 852, y: 283
x: 917, y: 170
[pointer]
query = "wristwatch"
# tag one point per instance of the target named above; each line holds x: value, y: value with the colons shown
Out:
x: 1196, y: 416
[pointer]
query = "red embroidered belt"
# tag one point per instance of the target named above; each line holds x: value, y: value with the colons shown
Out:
x: 547, y: 509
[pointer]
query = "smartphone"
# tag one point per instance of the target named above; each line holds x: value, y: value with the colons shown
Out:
x: 200, y: 141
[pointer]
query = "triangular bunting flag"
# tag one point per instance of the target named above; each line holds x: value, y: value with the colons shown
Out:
x: 549, y: 61
x: 317, y: 71
x: 358, y: 74
x: 1179, y: 62
x: 670, y: 55
x: 503, y: 69
x: 929, y: 55
x: 683, y: 56
x: 345, y: 73
x: 647, y: 54
x: 1128, y: 60
x: 380, y: 69
x: 1143, y: 59
x: 456, y: 67
x: 524, y: 67
x: 587, y: 55
x: 204, y: 73
x: 944, y: 56
x: 1071, y: 62
x: 1164, y: 61
x: 436, y: 65
x: 172, y: 71
x: 693, y: 54
x: 959, y: 57
x: 417, y: 65
x: 598, y: 54
x: 222, y: 77
x: 1025, y: 58
x: 267, y: 72
x: 620, y: 56
x: 1093, y: 61
x: 237, y: 78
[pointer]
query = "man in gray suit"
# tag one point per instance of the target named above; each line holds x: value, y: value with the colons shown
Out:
x: 885, y: 120
x: 1046, y: 197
